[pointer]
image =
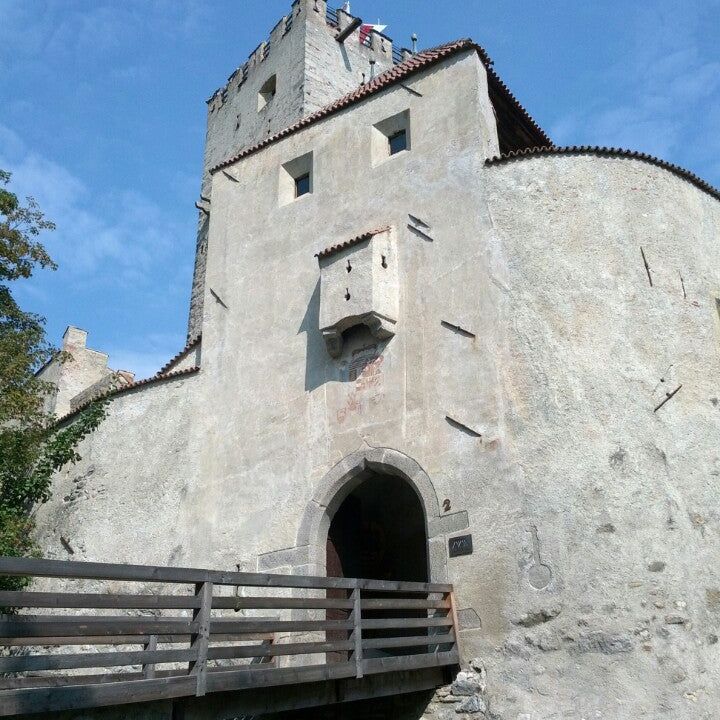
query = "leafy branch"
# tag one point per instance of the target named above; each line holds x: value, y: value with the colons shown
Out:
x: 32, y: 446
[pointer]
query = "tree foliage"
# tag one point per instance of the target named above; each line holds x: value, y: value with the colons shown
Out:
x: 32, y: 446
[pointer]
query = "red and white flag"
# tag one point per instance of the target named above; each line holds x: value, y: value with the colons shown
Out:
x: 366, y: 29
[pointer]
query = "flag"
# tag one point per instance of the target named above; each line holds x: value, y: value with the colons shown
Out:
x: 366, y: 29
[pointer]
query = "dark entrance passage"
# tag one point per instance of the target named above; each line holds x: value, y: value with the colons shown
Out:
x: 378, y: 532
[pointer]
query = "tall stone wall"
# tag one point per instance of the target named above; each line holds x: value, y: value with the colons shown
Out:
x: 609, y: 420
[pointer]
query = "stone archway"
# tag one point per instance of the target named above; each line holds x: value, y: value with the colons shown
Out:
x: 345, y: 477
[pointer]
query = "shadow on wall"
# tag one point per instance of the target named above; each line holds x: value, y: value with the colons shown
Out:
x: 316, y: 358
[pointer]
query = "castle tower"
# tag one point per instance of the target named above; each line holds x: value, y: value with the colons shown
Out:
x: 314, y: 55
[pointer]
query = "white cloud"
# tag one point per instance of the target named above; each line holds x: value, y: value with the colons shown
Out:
x: 116, y: 238
x: 664, y: 82
x: 117, y: 250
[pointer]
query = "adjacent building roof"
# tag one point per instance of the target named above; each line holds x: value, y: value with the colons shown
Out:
x: 598, y: 151
x: 516, y: 128
x: 126, y: 388
x: 190, y: 345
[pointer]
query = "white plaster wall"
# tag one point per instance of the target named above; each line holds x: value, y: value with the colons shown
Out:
x: 125, y: 500
x: 312, y: 70
x: 624, y: 499
x: 289, y: 416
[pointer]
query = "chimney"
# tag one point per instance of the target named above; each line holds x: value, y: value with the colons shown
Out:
x: 74, y: 338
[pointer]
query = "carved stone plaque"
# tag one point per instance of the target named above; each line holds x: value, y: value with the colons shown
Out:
x: 460, y: 545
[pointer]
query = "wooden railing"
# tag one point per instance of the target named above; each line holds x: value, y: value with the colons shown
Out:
x: 188, y: 632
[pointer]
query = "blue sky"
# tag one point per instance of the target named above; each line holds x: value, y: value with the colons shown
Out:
x: 102, y: 119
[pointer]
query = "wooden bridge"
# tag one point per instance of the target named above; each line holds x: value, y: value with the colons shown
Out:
x: 187, y: 633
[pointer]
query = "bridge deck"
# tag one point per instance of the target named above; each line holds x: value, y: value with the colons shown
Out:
x: 115, y: 634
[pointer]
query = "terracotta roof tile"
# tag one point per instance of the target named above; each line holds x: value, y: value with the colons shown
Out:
x: 349, y: 243
x: 608, y: 152
x: 413, y: 64
x: 126, y: 388
x: 190, y: 345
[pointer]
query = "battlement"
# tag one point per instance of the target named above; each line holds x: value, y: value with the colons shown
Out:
x: 375, y: 44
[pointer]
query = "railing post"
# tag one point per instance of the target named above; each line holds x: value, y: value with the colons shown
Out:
x: 200, y: 639
x: 357, y: 630
x: 455, y: 623
x: 148, y: 669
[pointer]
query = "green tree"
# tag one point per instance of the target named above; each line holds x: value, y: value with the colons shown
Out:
x: 32, y: 446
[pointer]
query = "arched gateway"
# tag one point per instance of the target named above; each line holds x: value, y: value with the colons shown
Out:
x: 372, y: 516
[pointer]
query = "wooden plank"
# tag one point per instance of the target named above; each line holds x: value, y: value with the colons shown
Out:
x: 241, y: 679
x: 410, y: 641
x: 122, y: 639
x: 41, y: 567
x: 95, y: 600
x: 73, y: 661
x: 79, y: 626
x: 357, y: 632
x: 227, y: 652
x: 268, y: 603
x: 454, y: 616
x: 200, y: 640
x: 410, y: 662
x: 162, y: 602
x: 251, y: 625
x: 404, y: 604
x: 45, y: 700
x: 401, y: 623
x: 44, y: 680
x: 148, y: 668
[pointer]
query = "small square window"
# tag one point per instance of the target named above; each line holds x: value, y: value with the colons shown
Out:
x: 398, y: 141
x: 302, y: 185
x: 296, y: 179
x: 390, y: 137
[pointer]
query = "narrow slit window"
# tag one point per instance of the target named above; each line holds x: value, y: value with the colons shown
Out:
x: 267, y: 92
x: 302, y: 185
x: 398, y: 142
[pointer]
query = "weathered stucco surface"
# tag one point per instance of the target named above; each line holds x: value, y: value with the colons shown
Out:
x: 593, y: 589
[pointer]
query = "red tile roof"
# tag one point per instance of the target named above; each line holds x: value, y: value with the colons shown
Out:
x: 349, y: 243
x: 608, y: 152
x: 395, y: 74
x: 190, y: 345
x: 126, y: 388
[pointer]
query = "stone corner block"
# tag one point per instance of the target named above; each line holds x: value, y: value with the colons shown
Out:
x: 454, y: 522
x: 284, y: 558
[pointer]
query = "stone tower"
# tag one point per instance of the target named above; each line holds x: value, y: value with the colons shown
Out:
x: 313, y: 56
